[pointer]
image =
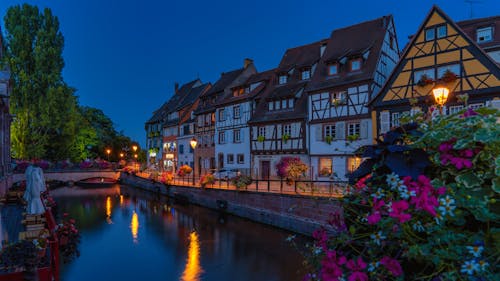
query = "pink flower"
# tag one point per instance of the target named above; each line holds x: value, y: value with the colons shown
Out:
x: 397, y: 209
x: 356, y: 265
x: 469, y: 112
x: 392, y: 265
x: 321, y: 238
x: 331, y: 269
x: 358, y: 276
x: 374, y: 218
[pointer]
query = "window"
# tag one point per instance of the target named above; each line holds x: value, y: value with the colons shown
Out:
x: 455, y: 68
x: 222, y: 137
x: 441, y: 31
x: 212, y: 139
x: 240, y: 158
x: 430, y: 34
x: 476, y: 105
x: 306, y: 74
x: 186, y: 130
x: 277, y: 105
x: 329, y: 132
x: 428, y: 72
x: 353, y: 163
x: 271, y: 106
x: 181, y: 149
x: 355, y: 64
x: 238, y: 92
x: 212, y: 117
x: 262, y: 131
x: 222, y: 116
x: 283, y: 79
x: 484, y: 34
x: 391, y: 42
x: 236, y: 136
x: 339, y: 98
x: 325, y: 167
x: 283, y: 104
x: 290, y: 103
x: 287, y: 130
x: 230, y: 158
x: 333, y: 69
x: 395, y: 119
x: 236, y: 112
x: 455, y: 109
x: 353, y: 129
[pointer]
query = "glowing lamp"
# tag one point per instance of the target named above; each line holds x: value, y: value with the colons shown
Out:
x: 440, y: 95
x: 193, y: 143
x: 134, y: 148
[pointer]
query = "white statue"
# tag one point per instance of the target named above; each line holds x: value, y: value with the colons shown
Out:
x: 35, y: 184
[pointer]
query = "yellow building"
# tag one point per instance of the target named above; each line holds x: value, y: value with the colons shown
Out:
x: 459, y: 56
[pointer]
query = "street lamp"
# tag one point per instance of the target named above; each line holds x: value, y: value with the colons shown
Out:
x: 121, y: 155
x: 440, y: 96
x: 108, y: 151
x: 193, y: 143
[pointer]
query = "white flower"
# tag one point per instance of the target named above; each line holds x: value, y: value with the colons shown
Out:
x: 372, y: 266
x: 392, y: 180
x: 447, y: 201
x: 439, y: 218
x: 379, y: 193
x: 290, y: 238
x: 446, y: 210
x: 483, y: 264
x: 377, y: 237
x: 469, y: 267
x: 406, y: 194
x: 475, y: 250
x: 317, y: 250
x: 418, y: 227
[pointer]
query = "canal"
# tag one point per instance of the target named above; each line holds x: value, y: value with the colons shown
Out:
x: 128, y: 234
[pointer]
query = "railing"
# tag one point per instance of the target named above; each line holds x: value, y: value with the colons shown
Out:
x: 322, y: 188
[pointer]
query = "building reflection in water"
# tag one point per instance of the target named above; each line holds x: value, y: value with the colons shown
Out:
x: 134, y: 226
x: 108, y: 210
x: 193, y: 268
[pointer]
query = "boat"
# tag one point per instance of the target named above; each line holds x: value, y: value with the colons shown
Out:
x: 97, y: 182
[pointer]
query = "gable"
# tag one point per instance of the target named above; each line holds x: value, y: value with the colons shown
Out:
x: 475, y: 72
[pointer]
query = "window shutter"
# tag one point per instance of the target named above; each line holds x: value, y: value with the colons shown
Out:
x: 340, y: 130
x: 319, y: 133
x: 363, y: 133
x: 385, y: 122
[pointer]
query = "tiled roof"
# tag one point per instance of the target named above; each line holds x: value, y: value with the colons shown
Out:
x: 263, y: 77
x: 470, y: 27
x: 351, y: 42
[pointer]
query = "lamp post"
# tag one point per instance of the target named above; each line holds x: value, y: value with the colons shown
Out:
x: 134, y: 148
x: 440, y: 96
x: 108, y: 151
x: 193, y: 143
x: 135, y: 156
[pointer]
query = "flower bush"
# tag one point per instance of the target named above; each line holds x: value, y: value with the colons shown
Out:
x: 166, y: 177
x: 241, y: 181
x: 424, y: 81
x: 291, y: 168
x: 184, y: 170
x: 69, y: 238
x: 424, y: 206
x: 207, y: 179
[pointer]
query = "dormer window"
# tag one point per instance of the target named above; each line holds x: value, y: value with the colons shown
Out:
x: 355, y: 64
x: 333, y: 69
x: 283, y: 79
x: 484, y: 34
x: 281, y: 104
x: 305, y: 74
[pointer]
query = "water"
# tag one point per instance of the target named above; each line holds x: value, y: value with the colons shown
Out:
x: 134, y: 235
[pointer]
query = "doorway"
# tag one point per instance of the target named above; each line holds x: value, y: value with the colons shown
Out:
x: 265, y: 169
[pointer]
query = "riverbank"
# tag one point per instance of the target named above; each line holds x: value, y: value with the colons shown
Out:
x: 297, y: 213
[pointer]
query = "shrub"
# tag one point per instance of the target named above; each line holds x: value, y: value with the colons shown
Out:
x: 184, y: 170
x: 241, y: 181
x: 207, y: 179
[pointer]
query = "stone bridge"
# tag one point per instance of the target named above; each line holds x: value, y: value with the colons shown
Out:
x: 73, y: 175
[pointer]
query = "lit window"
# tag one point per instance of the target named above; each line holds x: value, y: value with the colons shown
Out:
x: 287, y: 130
x: 271, y: 106
x: 329, y: 132
x: 395, y: 119
x: 262, y: 131
x: 283, y: 79
x: 355, y: 64
x: 222, y: 137
x: 441, y: 31
x: 339, y: 98
x: 353, y: 129
x: 236, y: 112
x: 230, y: 158
x: 236, y: 136
x: 333, y: 69
x: 241, y: 158
x: 353, y: 163
x: 430, y: 34
x: 306, y: 74
x: 325, y: 167
x: 484, y: 34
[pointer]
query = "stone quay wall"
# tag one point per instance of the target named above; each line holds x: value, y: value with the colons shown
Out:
x: 297, y: 213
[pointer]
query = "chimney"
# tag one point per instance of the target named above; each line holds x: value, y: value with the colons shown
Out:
x: 176, y: 87
x: 247, y: 62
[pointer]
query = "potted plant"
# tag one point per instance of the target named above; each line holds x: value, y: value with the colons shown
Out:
x: 448, y: 76
x: 328, y: 139
x: 241, y: 181
x: 285, y: 137
x: 291, y: 169
x: 184, y: 170
x: 207, y: 179
x: 69, y: 238
x: 353, y: 137
x: 261, y: 138
x: 424, y: 81
x: 166, y: 178
x: 325, y: 172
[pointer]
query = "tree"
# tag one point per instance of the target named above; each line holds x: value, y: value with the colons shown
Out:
x: 44, y: 106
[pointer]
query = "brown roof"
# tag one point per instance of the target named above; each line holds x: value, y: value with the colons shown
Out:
x: 349, y: 42
x: 469, y: 27
x: 264, y: 77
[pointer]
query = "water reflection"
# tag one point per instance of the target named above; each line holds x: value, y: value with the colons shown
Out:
x: 134, y: 226
x: 108, y: 210
x: 193, y: 268
x: 121, y: 200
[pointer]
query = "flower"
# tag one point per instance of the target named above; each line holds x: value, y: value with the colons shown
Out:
x: 321, y: 237
x: 331, y: 269
x: 475, y: 250
x: 377, y: 237
x: 356, y: 266
x: 397, y: 209
x: 469, y: 267
x: 447, y: 206
x: 418, y: 227
x: 379, y: 193
x: 392, y: 265
x: 373, y: 265
x: 483, y: 264
x: 392, y: 180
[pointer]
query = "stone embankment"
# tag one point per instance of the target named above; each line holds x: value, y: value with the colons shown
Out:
x: 297, y: 213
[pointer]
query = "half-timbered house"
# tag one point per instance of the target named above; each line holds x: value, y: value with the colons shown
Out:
x: 5, y: 120
x: 442, y: 54
x: 278, y: 127
x: 234, y: 110
x: 205, y: 129
x: 356, y: 63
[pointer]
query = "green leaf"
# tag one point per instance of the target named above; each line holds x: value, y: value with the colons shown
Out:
x: 469, y: 180
x: 497, y: 164
x: 496, y: 184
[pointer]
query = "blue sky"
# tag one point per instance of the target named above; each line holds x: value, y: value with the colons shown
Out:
x: 124, y: 56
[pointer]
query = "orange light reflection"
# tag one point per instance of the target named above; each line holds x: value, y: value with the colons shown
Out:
x: 134, y: 226
x: 193, y: 268
x: 108, y: 210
